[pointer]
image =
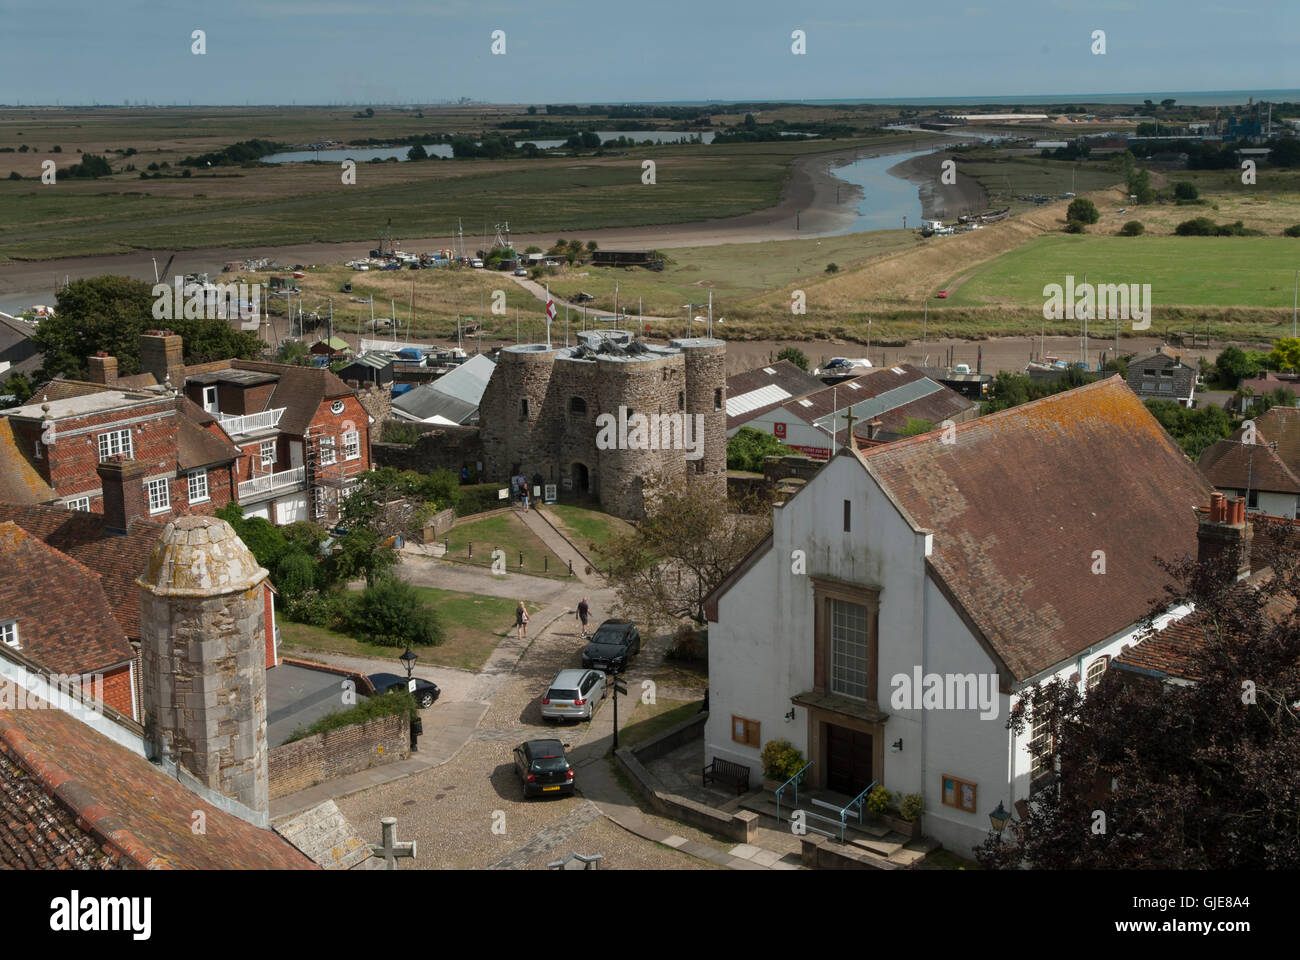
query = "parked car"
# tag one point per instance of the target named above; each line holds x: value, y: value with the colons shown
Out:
x: 520, y: 272
x: 613, y: 644
x: 573, y: 694
x: 476, y: 263
x: 425, y: 693
x: 581, y: 298
x: 942, y: 295
x: 543, y: 768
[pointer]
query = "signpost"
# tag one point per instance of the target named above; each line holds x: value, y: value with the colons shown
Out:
x: 618, y: 688
x: 550, y: 493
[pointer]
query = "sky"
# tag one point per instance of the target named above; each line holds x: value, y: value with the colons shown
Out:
x: 566, y: 51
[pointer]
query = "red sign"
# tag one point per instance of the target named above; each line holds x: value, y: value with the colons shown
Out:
x: 779, y: 430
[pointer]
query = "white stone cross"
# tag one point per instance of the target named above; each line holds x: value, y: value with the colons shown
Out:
x: 391, y: 848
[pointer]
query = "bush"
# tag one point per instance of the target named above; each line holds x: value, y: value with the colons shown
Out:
x: 476, y: 498
x: 878, y: 799
x: 1186, y: 191
x: 1134, y: 228
x: 1073, y: 226
x: 392, y: 614
x: 317, y: 608
x: 397, y: 431
x: 749, y: 447
x: 910, y: 806
x: 781, y: 760
x: 832, y: 268
x: 1291, y: 231
x: 1083, y: 210
x: 795, y: 356
x: 15, y: 175
x: 689, y: 645
x: 394, y: 703
x: 295, y: 572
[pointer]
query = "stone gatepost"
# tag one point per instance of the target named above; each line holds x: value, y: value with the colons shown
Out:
x: 203, y: 656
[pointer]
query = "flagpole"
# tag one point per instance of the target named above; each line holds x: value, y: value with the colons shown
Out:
x: 549, y: 307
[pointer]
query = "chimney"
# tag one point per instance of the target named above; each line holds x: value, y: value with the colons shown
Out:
x: 1223, y: 538
x: 162, y: 353
x: 873, y: 428
x: 203, y: 659
x: 124, y: 494
x: 103, y: 369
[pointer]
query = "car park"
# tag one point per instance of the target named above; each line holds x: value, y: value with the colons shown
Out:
x: 425, y: 693
x: 543, y: 769
x: 573, y: 695
x: 613, y: 644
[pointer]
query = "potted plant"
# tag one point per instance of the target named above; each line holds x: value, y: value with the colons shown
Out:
x: 904, y: 814
x: 781, y: 761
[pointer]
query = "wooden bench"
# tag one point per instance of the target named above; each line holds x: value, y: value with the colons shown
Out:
x: 727, y: 772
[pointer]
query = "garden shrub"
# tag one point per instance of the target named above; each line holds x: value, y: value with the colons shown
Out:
x: 781, y: 760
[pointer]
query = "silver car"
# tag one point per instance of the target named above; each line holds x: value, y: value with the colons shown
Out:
x: 573, y: 694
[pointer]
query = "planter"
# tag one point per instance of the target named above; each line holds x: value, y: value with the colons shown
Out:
x: 908, y: 828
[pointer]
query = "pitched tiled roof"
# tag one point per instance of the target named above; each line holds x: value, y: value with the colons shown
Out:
x: 784, y: 376
x: 195, y: 446
x: 36, y: 833
x: 131, y: 805
x: 300, y: 391
x: 64, y: 621
x: 117, y: 559
x: 1280, y: 425
x: 1233, y: 465
x: 1022, y: 499
x: 1169, y: 653
x: 61, y: 389
x: 20, y: 481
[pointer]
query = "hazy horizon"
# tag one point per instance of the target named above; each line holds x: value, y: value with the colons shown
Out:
x: 341, y: 52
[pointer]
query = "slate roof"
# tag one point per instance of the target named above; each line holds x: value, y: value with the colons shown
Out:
x: 1181, y: 383
x: 64, y: 620
x: 454, y: 398
x: 124, y: 801
x: 784, y: 376
x: 20, y: 481
x: 17, y: 347
x: 195, y: 446
x: 1280, y: 425
x: 62, y: 389
x: 1234, y: 465
x: 117, y: 558
x: 1021, y: 500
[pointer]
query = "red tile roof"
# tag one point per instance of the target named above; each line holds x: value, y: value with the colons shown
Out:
x: 64, y: 621
x: 1280, y: 425
x: 1234, y: 465
x: 117, y: 559
x: 300, y: 390
x: 20, y: 481
x: 130, y: 805
x: 1022, y: 499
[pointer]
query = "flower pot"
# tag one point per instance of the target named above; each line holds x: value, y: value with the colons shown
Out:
x: 908, y: 828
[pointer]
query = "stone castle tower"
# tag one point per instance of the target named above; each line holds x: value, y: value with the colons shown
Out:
x: 540, y: 410
x: 203, y: 657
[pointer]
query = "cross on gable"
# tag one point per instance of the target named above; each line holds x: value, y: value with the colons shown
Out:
x: 390, y: 847
x: 848, y: 424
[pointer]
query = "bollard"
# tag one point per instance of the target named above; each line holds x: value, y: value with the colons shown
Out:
x: 471, y: 549
x: 570, y: 568
x: 521, y: 559
x: 546, y: 563
x: 446, y: 547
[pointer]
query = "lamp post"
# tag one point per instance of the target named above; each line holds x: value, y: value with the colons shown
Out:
x: 998, y: 819
x: 417, y: 724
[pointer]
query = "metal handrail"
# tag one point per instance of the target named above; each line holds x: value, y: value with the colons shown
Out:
x: 861, y: 799
x: 795, y: 780
x: 272, y: 481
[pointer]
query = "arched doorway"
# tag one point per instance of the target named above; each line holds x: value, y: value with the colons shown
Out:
x: 581, y: 479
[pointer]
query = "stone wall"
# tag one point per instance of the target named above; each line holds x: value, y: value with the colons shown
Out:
x: 377, y: 401
x: 438, y: 448
x: 337, y: 753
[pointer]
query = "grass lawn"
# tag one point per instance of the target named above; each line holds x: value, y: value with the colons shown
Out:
x: 587, y: 527
x: 475, y: 624
x: 506, y: 532
x: 649, y: 719
x: 1201, y: 271
x: 946, y: 860
x: 691, y: 674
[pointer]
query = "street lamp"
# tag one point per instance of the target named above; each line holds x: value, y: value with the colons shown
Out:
x: 417, y: 724
x: 998, y: 818
x: 408, y: 661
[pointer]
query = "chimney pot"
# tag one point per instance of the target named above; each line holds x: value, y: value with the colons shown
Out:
x: 125, y: 499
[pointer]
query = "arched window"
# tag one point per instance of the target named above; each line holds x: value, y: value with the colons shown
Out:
x: 577, y: 405
x: 1095, y: 670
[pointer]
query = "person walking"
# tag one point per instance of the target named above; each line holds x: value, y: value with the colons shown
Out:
x: 584, y: 611
x: 521, y: 621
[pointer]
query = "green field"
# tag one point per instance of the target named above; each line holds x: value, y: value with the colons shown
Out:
x: 506, y: 532
x: 1201, y: 271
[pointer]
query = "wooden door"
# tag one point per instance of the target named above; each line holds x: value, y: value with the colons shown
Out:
x: 848, y: 760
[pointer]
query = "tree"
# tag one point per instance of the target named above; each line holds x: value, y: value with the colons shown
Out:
x: 15, y: 175
x: 295, y: 351
x: 684, y: 548
x: 1285, y: 152
x: 1122, y: 163
x: 1134, y: 228
x: 376, y: 511
x: 1189, y: 776
x: 19, y: 385
x: 392, y: 613
x: 109, y: 313
x: 1139, y: 185
x: 417, y: 152
x: 749, y: 448
x: 1193, y: 430
x: 1285, y: 354
x: 795, y: 356
x: 591, y: 246
x: 1167, y: 103
x: 1186, y: 191
x: 832, y: 268
x: 1083, y: 210
x: 1233, y: 366
x: 916, y: 426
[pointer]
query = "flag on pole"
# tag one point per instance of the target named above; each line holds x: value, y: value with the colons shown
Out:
x: 550, y: 314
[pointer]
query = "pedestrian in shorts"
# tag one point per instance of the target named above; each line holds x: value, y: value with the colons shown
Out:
x: 584, y: 611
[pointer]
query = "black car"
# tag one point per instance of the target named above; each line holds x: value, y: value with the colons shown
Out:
x: 424, y: 692
x: 543, y: 768
x: 613, y: 644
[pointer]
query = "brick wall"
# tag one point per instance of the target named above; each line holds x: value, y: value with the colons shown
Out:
x: 438, y: 448
x: 118, y: 692
x: 354, y: 417
x: 336, y: 753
